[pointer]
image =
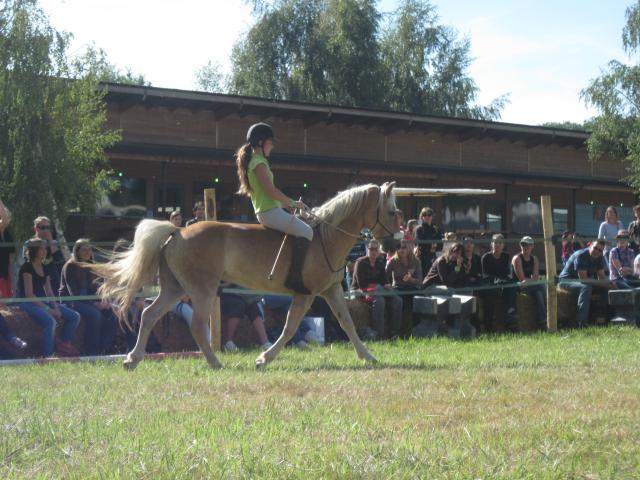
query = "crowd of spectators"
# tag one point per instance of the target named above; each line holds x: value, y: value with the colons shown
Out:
x: 427, y: 260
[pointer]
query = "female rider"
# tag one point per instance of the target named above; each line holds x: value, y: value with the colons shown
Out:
x: 256, y: 181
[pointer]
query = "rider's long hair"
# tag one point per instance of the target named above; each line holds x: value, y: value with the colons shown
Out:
x: 243, y: 156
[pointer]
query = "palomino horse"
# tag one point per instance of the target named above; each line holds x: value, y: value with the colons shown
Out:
x: 194, y: 260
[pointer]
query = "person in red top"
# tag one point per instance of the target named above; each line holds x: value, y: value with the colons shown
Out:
x: 369, y: 275
x: 6, y: 253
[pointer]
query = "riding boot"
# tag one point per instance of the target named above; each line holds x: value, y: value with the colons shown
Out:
x: 294, y: 278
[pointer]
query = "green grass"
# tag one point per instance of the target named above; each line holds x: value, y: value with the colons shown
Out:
x: 541, y: 406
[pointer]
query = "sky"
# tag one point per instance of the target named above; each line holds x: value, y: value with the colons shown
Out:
x: 542, y: 53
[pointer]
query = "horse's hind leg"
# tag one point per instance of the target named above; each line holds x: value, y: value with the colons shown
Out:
x: 170, y: 293
x: 335, y: 298
x: 299, y: 307
x: 202, y: 309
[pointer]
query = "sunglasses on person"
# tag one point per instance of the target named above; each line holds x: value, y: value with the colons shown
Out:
x: 427, y: 215
x: 43, y: 227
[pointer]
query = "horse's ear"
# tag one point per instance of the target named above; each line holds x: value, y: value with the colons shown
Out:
x: 387, y: 187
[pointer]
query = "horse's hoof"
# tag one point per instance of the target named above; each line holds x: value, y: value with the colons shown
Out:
x: 260, y: 363
x: 368, y: 358
x: 129, y: 364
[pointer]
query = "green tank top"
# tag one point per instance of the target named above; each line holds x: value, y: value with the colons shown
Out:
x: 259, y: 197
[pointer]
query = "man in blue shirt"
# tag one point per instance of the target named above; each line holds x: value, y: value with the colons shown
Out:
x: 579, y: 273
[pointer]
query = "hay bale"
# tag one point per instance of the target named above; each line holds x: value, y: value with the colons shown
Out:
x: 567, y: 307
x: 360, y: 314
x: 526, y: 308
x: 29, y: 331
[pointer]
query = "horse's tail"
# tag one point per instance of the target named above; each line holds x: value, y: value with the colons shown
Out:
x: 129, y: 271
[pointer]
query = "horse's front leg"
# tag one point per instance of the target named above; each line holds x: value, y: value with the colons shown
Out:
x: 335, y: 298
x: 299, y: 307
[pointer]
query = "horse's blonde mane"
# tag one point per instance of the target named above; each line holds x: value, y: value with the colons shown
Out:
x: 336, y: 210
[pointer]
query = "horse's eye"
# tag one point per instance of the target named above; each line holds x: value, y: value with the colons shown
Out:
x: 392, y: 213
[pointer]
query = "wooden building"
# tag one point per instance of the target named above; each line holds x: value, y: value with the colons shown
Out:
x: 176, y: 143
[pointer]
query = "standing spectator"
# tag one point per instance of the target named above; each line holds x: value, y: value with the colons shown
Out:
x: 34, y: 282
x: 6, y: 253
x: 428, y: 238
x: 100, y: 321
x: 472, y: 263
x: 369, y: 275
x: 496, y: 271
x: 198, y: 213
x: 176, y: 218
x: 526, y: 270
x: 448, y: 269
x: 585, y: 265
x: 609, y: 228
x: 621, y: 262
x: 634, y: 230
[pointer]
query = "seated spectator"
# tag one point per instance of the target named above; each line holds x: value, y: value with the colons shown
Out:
x: 496, y: 271
x: 198, y: 213
x: 621, y: 262
x: 404, y: 269
x: 448, y: 269
x: 11, y: 338
x: 34, y: 282
x: 232, y: 308
x: 99, y: 319
x: 6, y: 253
x: 634, y: 230
x: 472, y: 263
x: 279, y: 305
x: 357, y: 251
x: 578, y: 275
x: 410, y: 231
x: 567, y: 246
x: 449, y: 239
x: 369, y: 276
x: 428, y: 239
x: 54, y: 261
x: 526, y: 270
x: 176, y: 218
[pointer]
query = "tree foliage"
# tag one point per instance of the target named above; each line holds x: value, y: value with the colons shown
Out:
x: 52, y: 121
x: 616, y: 95
x: 346, y: 52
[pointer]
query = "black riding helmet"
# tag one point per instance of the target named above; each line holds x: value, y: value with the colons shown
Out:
x: 259, y: 132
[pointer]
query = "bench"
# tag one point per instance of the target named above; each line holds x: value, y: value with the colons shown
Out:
x: 626, y: 304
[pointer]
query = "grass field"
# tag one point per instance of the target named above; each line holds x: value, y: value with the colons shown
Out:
x: 543, y: 406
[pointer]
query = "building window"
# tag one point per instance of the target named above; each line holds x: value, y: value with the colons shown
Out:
x: 128, y: 200
x: 494, y: 217
x: 171, y: 199
x: 526, y: 217
x: 590, y: 216
x: 560, y: 220
x: 461, y: 214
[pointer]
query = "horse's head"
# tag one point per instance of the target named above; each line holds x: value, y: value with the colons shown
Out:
x: 386, y: 228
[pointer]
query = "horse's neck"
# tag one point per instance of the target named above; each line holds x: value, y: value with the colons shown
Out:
x: 342, y: 242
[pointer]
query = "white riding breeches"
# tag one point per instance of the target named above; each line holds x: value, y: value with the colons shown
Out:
x: 278, y: 219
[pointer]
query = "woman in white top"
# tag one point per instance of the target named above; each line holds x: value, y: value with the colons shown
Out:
x: 609, y: 228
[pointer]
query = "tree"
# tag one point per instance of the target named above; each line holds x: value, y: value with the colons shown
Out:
x: 343, y: 52
x: 94, y: 62
x: 52, y: 122
x: 211, y: 79
x: 426, y: 66
x: 616, y: 95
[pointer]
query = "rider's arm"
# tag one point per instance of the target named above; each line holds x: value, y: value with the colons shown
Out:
x: 271, y: 190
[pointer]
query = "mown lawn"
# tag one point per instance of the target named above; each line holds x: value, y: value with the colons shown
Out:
x: 544, y: 406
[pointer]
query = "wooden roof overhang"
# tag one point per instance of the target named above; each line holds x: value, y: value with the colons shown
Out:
x: 458, y: 129
x: 352, y: 166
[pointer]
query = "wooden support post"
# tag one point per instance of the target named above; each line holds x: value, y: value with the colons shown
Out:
x: 550, y: 262
x: 215, y: 324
